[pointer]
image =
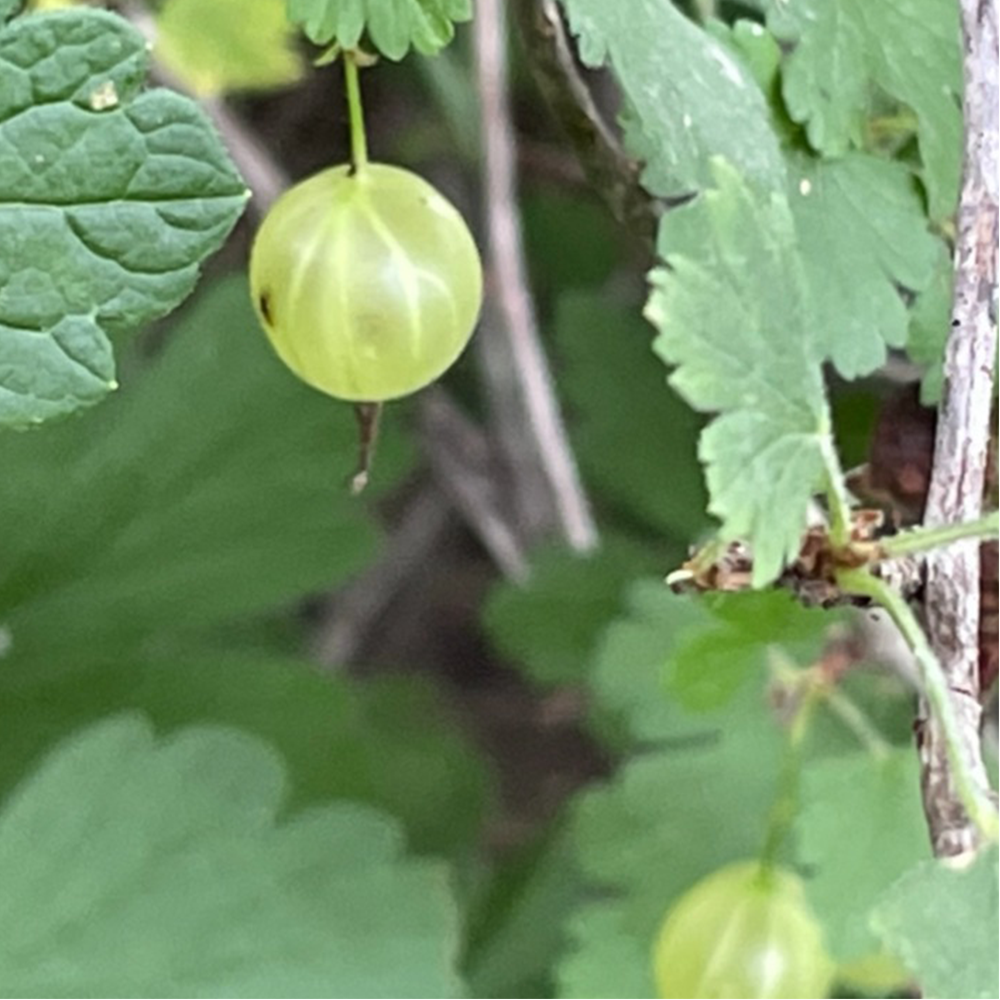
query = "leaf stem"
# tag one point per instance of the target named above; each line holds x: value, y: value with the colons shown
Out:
x: 935, y: 689
x: 786, y: 801
x: 356, y: 116
x: 922, y: 539
x: 840, y: 507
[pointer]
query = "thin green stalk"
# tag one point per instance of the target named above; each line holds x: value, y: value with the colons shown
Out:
x: 356, y: 116
x: 935, y: 689
x: 836, y: 497
x: 922, y: 539
x: 857, y: 721
x: 786, y: 801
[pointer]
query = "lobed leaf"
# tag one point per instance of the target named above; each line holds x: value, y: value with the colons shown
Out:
x: 550, y: 624
x: 392, y: 26
x: 109, y: 200
x: 140, y: 867
x: 689, y: 98
x: 733, y: 316
x: 209, y: 491
x: 845, y: 49
x: 861, y: 827
x: 382, y: 742
x: 941, y: 919
x: 863, y: 236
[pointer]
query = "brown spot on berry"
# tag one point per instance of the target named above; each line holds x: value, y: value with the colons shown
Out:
x: 265, y: 307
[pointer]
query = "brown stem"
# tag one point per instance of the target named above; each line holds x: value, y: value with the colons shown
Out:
x: 550, y: 494
x: 368, y: 415
x: 611, y: 172
x: 952, y: 593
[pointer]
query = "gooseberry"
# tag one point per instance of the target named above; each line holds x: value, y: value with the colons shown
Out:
x: 368, y: 282
x: 744, y: 932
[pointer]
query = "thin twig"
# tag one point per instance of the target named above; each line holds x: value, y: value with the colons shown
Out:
x: 357, y: 608
x: 530, y: 424
x: 612, y: 173
x: 952, y: 592
x: 461, y: 458
x: 924, y: 539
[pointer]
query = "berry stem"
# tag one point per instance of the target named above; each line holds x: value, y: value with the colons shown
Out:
x: 785, y: 806
x: 368, y: 415
x: 356, y: 115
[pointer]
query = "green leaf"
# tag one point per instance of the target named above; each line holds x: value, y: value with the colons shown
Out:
x: 929, y: 328
x: 689, y: 98
x: 860, y: 828
x: 643, y: 455
x: 137, y: 867
x: 383, y: 742
x: 667, y: 819
x: 227, y: 45
x: 628, y: 699
x: 941, y: 920
x: 709, y: 664
x: 845, y: 49
x: 519, y: 932
x: 211, y: 490
x: 392, y: 25
x: 609, y: 961
x: 740, y: 337
x: 864, y: 235
x: 550, y: 624
x: 109, y: 200
x: 756, y: 46
x: 669, y: 658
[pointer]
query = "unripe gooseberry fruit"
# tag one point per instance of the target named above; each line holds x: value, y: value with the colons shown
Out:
x: 367, y: 282
x: 742, y: 932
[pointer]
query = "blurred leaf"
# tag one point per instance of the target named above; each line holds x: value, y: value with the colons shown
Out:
x: 669, y: 658
x: 211, y: 490
x: 570, y: 240
x: 941, y: 920
x: 670, y: 817
x: 930, y: 324
x: 392, y: 25
x: 864, y: 235
x: 628, y: 698
x: 860, y: 828
x: 689, y: 98
x: 227, y: 45
x: 610, y: 960
x: 638, y: 448
x: 550, y: 624
x: 109, y: 200
x: 755, y: 45
x: 514, y: 949
x: 135, y: 867
x: 708, y: 665
x: 842, y: 50
x: 742, y: 342
x: 384, y: 742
